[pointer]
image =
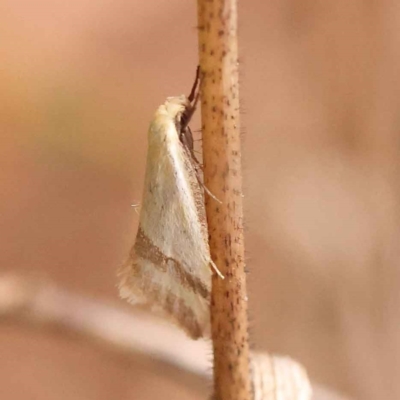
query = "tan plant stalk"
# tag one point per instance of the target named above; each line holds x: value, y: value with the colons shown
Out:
x: 217, y: 20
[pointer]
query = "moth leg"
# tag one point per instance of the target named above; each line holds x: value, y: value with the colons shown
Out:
x: 136, y: 206
x: 186, y: 138
x: 215, y: 268
x: 208, y: 191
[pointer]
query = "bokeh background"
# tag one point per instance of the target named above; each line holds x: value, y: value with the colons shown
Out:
x: 79, y: 82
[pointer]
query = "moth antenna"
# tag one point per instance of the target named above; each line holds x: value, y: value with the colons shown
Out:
x: 192, y: 94
x: 189, y: 112
x: 215, y: 268
x: 193, y: 99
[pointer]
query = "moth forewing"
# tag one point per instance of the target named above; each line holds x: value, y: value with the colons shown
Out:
x: 169, y: 264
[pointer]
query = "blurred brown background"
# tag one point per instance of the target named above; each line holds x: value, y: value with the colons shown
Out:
x: 79, y: 82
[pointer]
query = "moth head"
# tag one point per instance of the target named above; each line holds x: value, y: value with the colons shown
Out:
x: 179, y: 109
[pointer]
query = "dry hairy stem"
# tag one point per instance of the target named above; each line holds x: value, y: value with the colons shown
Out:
x: 218, y: 55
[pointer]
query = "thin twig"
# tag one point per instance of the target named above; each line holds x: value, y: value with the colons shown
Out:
x: 217, y: 20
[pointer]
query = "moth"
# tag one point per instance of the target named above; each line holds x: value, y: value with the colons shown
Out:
x: 169, y: 267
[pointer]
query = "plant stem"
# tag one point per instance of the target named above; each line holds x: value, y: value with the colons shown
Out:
x: 218, y: 54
